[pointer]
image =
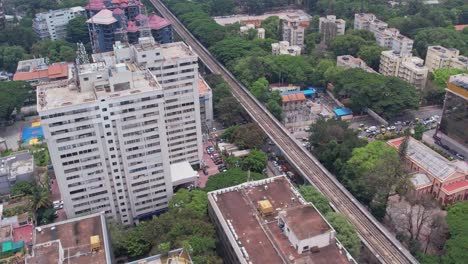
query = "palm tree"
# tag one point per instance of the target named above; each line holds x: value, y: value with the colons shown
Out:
x: 39, y: 198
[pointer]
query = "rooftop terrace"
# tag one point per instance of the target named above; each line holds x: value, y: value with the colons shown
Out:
x: 259, y: 237
x: 70, y: 242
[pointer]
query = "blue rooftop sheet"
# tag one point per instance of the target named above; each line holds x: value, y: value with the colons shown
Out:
x: 343, y: 111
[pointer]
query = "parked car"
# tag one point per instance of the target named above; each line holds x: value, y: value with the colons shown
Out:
x: 460, y: 156
x: 205, y: 171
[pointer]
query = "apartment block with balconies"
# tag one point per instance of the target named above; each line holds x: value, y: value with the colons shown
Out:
x: 438, y: 57
x: 118, y: 130
x: 53, y: 24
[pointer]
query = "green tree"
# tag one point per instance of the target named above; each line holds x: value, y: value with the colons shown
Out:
x: 249, y: 136
x: 419, y: 130
x: 45, y: 215
x: 255, y: 161
x: 347, y: 45
x: 22, y: 187
x: 457, y: 220
x: 12, y: 95
x: 371, y: 55
x: 196, y: 200
x: 260, y: 89
x: 446, y: 37
x: 373, y: 173
x: 77, y: 30
x: 364, y: 34
x: 345, y: 232
x: 441, y: 76
x: 10, y: 56
x: 310, y: 194
x: 272, y: 27
x: 230, y: 178
x: 387, y: 96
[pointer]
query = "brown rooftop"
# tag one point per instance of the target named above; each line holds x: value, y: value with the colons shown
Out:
x: 73, y: 237
x: 261, y: 236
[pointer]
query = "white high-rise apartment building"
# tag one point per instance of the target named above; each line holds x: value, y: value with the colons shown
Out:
x: 448, y: 58
x: 122, y: 131
x: 404, y: 66
x: 385, y: 37
x: 53, y: 24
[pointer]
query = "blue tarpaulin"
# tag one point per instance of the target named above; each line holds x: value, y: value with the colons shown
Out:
x: 342, y: 111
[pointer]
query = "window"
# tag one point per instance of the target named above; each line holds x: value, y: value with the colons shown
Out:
x: 86, y: 79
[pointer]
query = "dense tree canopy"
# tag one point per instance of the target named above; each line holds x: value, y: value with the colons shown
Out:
x: 255, y: 161
x: 371, y: 174
x: 446, y: 37
x: 230, y: 178
x: 10, y: 56
x: 12, y: 95
x: 77, y: 30
x: 387, y: 96
x: 249, y: 136
x: 457, y: 220
x: 56, y: 51
x: 192, y: 231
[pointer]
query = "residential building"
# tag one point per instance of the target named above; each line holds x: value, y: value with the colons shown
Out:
x: 447, y: 58
x: 177, y: 256
x: 78, y: 240
x: 161, y: 29
x: 403, y: 66
x: 36, y: 71
x: 386, y: 37
x: 268, y: 221
x: 261, y: 33
x: 283, y: 48
x: 115, y: 130
x: 119, y: 20
x: 433, y: 174
x: 330, y: 27
x: 452, y: 131
x: 102, y: 29
x: 14, y: 168
x: 349, y: 61
x: 412, y: 70
x: 206, y: 104
x: 245, y: 29
x: 2, y: 15
x: 293, y: 28
x: 53, y: 24
x: 293, y: 101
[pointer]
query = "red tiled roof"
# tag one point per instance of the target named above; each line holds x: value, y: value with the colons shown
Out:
x: 131, y: 26
x: 118, y: 11
x: 396, y: 142
x: 55, y: 71
x: 140, y: 17
x: 460, y: 27
x: 293, y: 97
x: 157, y: 22
x: 95, y: 5
x: 456, y: 186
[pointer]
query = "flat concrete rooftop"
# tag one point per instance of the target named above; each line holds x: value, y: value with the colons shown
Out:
x: 73, y: 237
x: 261, y: 236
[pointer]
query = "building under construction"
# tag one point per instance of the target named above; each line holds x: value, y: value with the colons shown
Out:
x: 123, y: 20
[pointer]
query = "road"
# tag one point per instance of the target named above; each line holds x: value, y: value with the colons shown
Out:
x: 374, y: 235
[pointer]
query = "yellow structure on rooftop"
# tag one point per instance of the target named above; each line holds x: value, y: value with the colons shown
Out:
x: 95, y: 243
x: 265, y: 207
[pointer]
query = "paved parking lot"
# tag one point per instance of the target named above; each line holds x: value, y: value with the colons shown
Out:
x: 211, y: 168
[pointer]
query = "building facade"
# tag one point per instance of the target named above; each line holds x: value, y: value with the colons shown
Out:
x: 330, y: 27
x: 433, y: 174
x: 293, y: 30
x: 53, y: 24
x: 438, y: 57
x: 115, y: 130
x: 15, y: 168
x: 386, y: 37
x: 404, y: 66
x: 452, y: 131
x: 206, y: 104
x: 283, y: 48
